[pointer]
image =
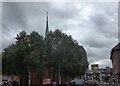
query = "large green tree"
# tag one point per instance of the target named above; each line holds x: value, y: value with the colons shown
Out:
x: 58, y: 52
x: 66, y: 56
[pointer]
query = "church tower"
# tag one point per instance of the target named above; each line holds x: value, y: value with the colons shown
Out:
x: 47, y: 26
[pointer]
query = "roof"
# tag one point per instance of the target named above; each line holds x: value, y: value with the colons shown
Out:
x: 94, y: 64
x: 117, y: 47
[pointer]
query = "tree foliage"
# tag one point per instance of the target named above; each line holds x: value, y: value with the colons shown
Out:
x: 23, y: 56
x: 58, y: 52
x: 66, y: 54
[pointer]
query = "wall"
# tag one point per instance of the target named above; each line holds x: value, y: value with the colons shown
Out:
x: 116, y: 61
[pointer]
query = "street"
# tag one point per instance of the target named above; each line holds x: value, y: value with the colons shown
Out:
x: 108, y: 85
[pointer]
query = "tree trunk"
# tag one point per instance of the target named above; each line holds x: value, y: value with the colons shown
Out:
x: 29, y: 78
x: 59, y: 76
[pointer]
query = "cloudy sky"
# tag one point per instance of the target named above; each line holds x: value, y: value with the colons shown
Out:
x: 93, y: 24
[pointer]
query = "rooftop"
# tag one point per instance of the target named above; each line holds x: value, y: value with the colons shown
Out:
x: 117, y: 47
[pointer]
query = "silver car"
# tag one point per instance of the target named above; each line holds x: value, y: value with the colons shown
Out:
x: 77, y: 82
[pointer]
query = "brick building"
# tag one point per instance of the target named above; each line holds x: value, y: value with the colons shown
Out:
x: 94, y: 67
x: 115, y: 58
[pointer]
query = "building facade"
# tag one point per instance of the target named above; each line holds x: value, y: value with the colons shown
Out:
x: 100, y: 74
x: 115, y: 58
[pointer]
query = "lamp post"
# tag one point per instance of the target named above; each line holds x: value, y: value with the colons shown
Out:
x: 107, y: 71
x: 100, y: 77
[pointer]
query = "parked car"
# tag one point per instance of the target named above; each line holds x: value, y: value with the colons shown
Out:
x: 77, y: 82
x: 8, y: 83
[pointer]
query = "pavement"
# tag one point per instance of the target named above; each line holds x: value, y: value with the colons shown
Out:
x: 108, y: 85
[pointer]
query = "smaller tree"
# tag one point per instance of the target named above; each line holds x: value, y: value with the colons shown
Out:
x: 25, y: 56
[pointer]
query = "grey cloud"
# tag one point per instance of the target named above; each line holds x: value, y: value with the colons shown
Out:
x: 13, y: 14
x: 11, y: 20
x: 99, y: 41
x: 64, y: 11
x: 16, y: 16
x: 95, y: 33
x: 104, y: 25
x: 106, y: 20
x: 99, y: 20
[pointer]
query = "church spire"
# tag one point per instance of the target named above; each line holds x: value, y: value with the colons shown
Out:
x: 47, y: 26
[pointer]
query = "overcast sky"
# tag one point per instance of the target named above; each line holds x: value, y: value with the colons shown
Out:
x: 93, y: 25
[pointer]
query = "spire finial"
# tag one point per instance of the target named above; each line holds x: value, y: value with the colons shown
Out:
x: 47, y: 27
x: 47, y: 14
